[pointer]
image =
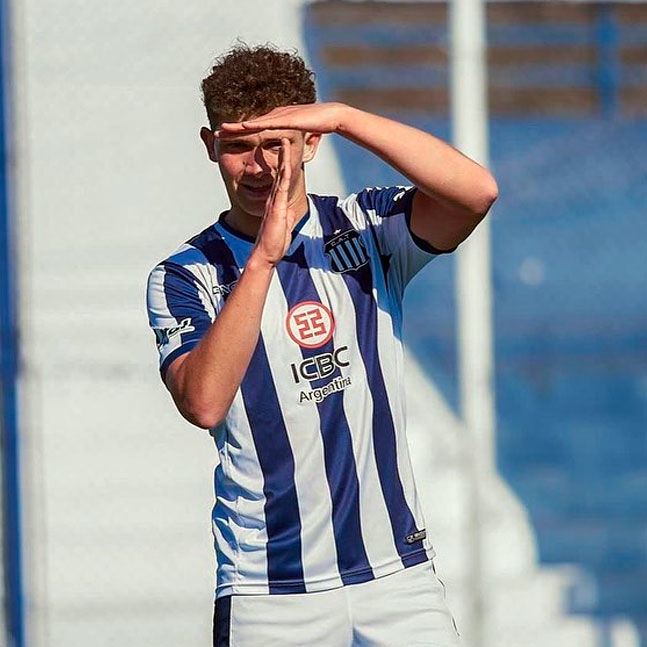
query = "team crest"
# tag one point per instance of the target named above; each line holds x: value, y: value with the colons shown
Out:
x: 346, y: 252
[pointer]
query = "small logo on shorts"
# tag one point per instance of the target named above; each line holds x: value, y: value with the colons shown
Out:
x: 310, y: 324
x: 416, y: 536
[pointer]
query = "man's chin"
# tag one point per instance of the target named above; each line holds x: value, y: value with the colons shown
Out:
x: 254, y: 207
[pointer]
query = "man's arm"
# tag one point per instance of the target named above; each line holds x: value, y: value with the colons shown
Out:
x: 455, y: 192
x: 204, y: 381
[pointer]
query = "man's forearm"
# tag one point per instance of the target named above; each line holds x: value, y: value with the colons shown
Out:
x: 205, y: 383
x: 435, y: 167
x: 455, y: 192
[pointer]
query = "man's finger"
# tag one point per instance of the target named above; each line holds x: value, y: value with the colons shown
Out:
x: 230, y: 133
x: 281, y: 169
x: 284, y: 164
x: 281, y: 187
x: 277, y: 119
x: 241, y: 127
x: 269, y: 123
x: 229, y: 130
x: 275, y: 188
x: 276, y: 206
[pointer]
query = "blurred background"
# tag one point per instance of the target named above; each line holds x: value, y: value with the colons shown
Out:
x: 538, y: 509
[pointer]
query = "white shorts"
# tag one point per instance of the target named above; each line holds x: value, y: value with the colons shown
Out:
x: 405, y: 609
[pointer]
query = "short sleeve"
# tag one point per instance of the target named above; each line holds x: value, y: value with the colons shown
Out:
x: 389, y: 214
x: 180, y: 311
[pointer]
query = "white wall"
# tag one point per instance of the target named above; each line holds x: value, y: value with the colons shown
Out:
x: 112, y: 177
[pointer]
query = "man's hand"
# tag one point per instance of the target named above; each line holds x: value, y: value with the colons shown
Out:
x: 310, y: 117
x: 204, y: 381
x: 455, y: 192
x: 275, y: 234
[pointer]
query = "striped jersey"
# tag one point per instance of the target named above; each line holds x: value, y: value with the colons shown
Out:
x: 314, y: 486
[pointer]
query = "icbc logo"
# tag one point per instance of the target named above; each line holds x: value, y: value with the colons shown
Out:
x: 310, y: 324
x: 319, y: 366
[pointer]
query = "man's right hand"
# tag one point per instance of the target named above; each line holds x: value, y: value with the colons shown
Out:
x: 275, y: 233
x: 204, y: 381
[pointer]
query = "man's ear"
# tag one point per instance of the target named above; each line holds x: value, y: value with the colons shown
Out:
x: 208, y: 139
x: 310, y: 145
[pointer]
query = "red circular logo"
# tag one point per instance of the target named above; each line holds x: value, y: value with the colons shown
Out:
x: 310, y: 324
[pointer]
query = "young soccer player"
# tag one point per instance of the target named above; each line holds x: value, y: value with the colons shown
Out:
x: 279, y: 329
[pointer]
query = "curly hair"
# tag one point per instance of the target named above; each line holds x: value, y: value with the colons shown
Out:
x: 250, y: 81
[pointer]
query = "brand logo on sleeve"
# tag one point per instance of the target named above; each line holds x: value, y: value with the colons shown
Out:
x: 416, y: 536
x: 163, y: 335
x: 346, y: 252
x: 310, y: 324
x: 224, y: 290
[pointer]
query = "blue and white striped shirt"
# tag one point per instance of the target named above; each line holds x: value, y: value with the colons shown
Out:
x: 314, y: 488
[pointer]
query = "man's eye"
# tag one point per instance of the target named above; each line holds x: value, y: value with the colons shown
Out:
x: 233, y: 148
x: 275, y: 145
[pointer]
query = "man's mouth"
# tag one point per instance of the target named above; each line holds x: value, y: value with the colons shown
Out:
x: 257, y: 189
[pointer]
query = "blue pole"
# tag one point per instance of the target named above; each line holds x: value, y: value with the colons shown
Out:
x: 12, y: 553
x: 608, y: 69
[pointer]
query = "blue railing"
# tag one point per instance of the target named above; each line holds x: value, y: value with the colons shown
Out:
x: 12, y: 550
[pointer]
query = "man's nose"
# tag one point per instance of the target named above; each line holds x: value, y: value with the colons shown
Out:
x: 256, y: 162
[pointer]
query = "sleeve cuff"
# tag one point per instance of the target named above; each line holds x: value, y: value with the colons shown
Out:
x: 173, y: 355
x: 421, y: 242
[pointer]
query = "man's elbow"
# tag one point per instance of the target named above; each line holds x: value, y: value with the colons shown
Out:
x: 204, y: 420
x: 488, y: 192
x: 483, y: 197
x: 201, y: 415
x: 194, y: 403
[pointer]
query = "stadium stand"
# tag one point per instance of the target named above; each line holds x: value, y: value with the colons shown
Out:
x: 568, y: 102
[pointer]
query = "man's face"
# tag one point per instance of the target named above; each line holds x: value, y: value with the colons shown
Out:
x: 248, y: 165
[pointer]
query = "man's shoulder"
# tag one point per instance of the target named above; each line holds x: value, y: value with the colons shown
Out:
x: 203, y: 248
x: 205, y: 238
x: 359, y: 205
x: 366, y: 198
x: 325, y: 203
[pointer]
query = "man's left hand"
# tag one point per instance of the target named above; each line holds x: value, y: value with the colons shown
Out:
x: 310, y: 117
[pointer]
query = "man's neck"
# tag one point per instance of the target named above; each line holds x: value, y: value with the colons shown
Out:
x: 249, y: 225
x: 243, y: 222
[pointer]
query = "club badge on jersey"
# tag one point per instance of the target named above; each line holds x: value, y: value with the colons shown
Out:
x: 346, y: 252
